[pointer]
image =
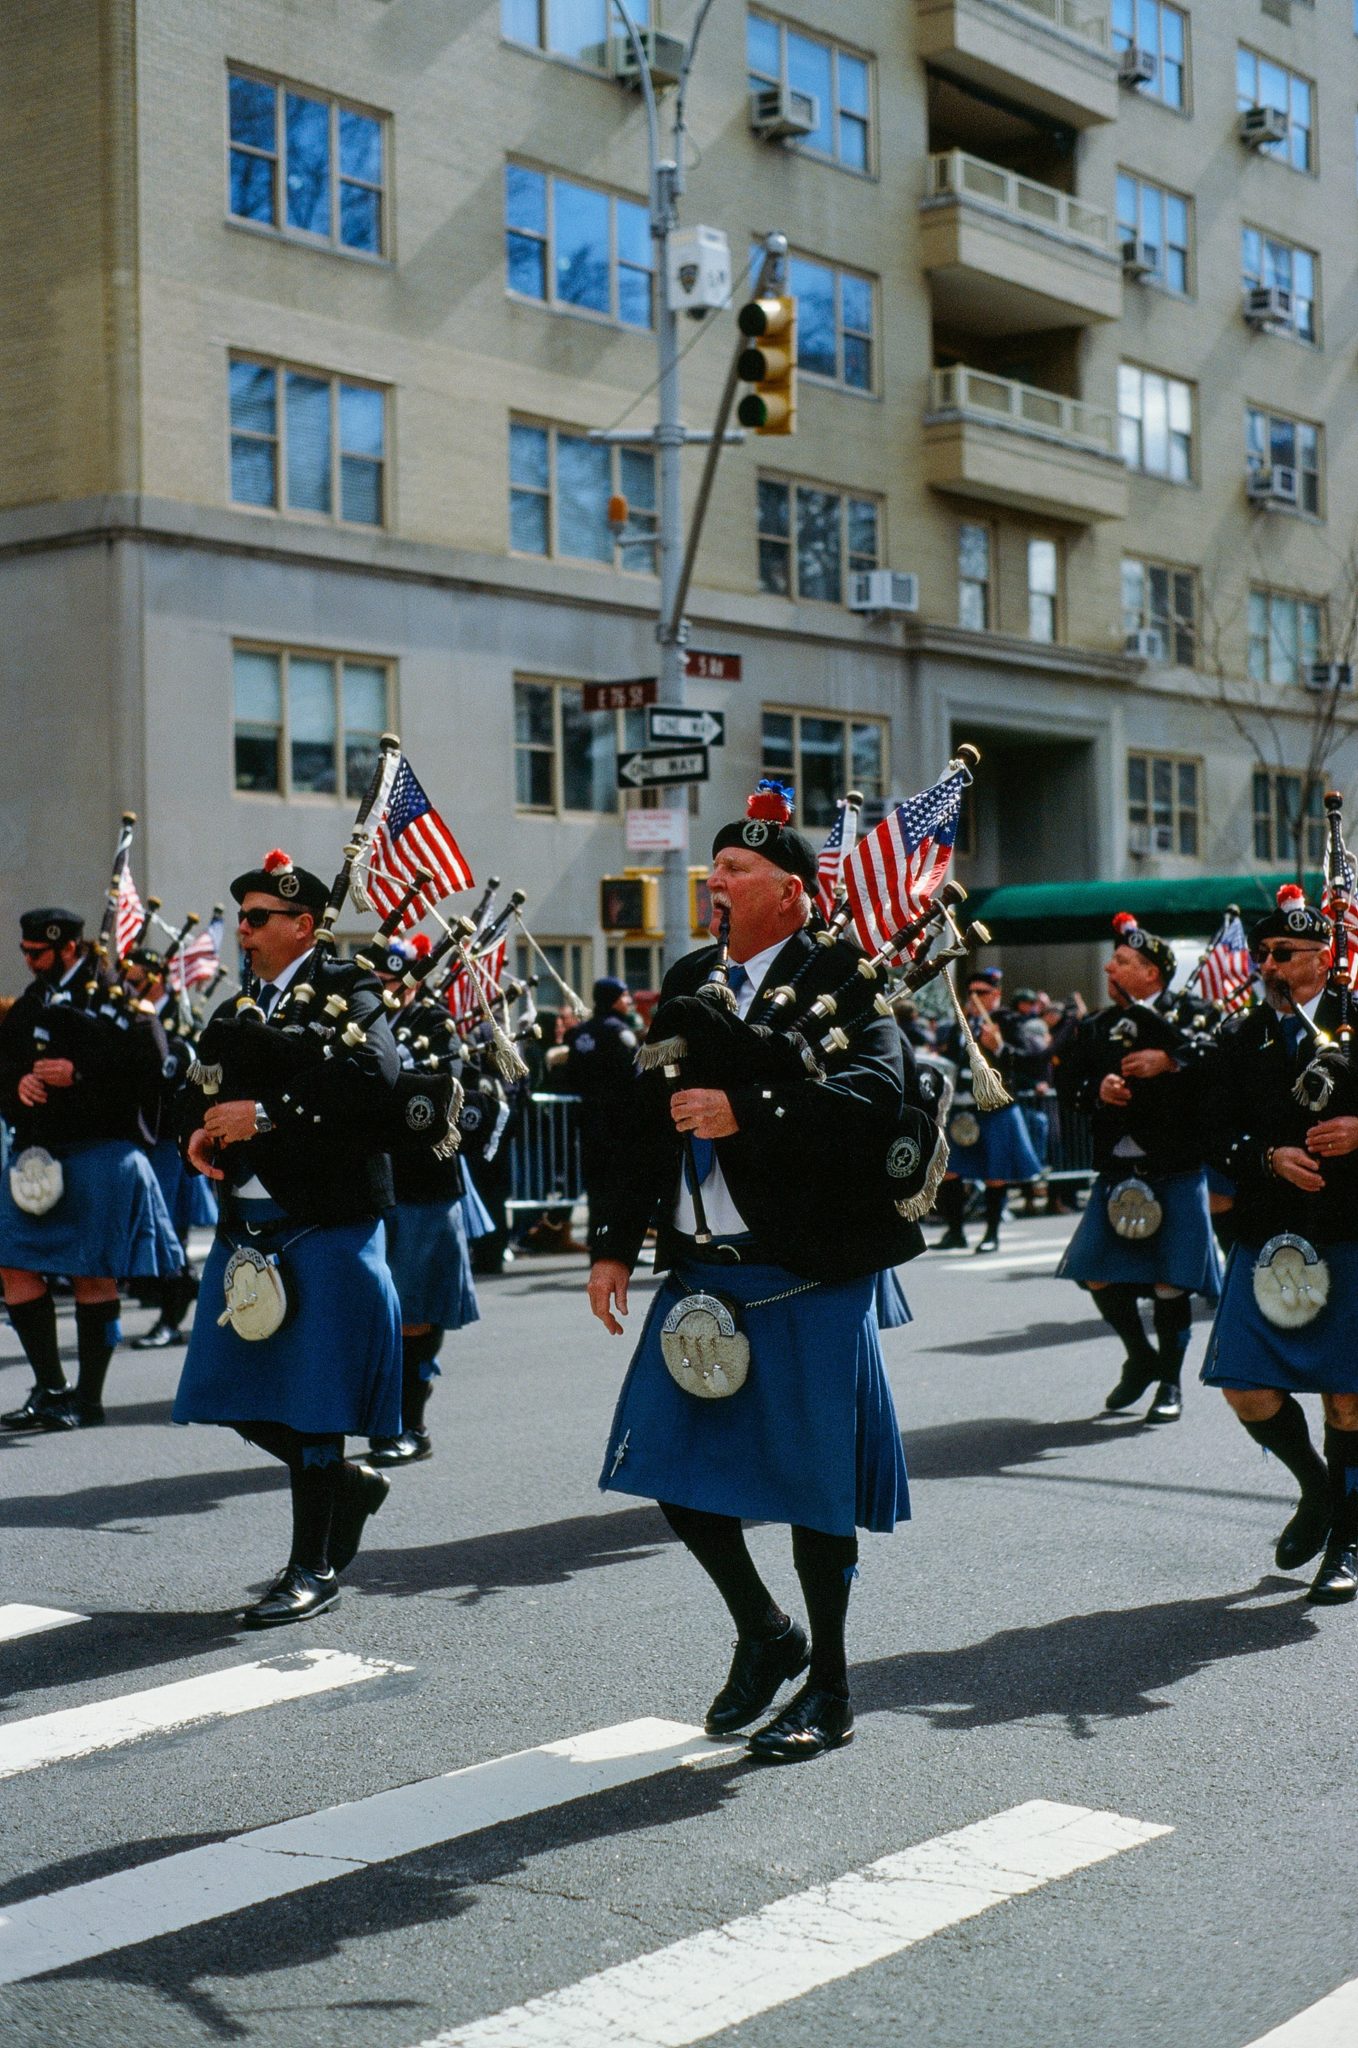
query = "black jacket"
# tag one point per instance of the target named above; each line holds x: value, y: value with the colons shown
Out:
x: 425, y: 1044
x: 1162, y: 1116
x: 324, y: 1161
x: 1248, y: 1106
x: 804, y: 1166
x: 118, y: 1058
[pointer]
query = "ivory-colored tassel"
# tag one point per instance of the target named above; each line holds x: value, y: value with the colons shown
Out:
x: 986, y: 1085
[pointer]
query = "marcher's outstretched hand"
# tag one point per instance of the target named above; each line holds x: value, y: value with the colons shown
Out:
x: 607, y: 1286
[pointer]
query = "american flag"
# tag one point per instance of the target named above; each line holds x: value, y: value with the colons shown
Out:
x: 412, y: 835
x: 462, y: 997
x: 198, y: 959
x: 1227, y: 967
x: 832, y: 856
x: 130, y: 915
x: 903, y: 860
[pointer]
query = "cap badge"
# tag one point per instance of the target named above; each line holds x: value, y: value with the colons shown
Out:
x: 288, y: 886
x: 1297, y: 920
x: 755, y: 833
x: 52, y: 931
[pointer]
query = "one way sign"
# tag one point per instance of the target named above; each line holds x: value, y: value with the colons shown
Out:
x: 650, y: 769
x: 698, y: 728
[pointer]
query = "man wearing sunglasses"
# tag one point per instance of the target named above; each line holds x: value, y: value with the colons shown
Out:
x: 80, y: 1199
x: 1285, y: 1326
x: 292, y: 1139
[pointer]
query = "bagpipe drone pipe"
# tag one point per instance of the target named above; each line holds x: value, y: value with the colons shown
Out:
x: 1328, y: 1084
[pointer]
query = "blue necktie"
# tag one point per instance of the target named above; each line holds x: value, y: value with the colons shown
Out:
x: 268, y: 996
x: 1292, y: 1032
x: 699, y: 1163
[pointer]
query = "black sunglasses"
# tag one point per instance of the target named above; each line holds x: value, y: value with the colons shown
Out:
x: 257, y: 919
x: 1280, y: 955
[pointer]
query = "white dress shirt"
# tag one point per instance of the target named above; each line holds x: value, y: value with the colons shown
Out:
x: 723, y: 1217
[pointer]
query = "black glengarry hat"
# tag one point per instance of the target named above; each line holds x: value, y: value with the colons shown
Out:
x: 1292, y: 917
x: 766, y: 829
x: 51, y: 926
x: 1127, y: 932
x: 277, y: 876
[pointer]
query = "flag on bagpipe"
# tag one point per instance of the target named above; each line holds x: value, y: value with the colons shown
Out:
x: 832, y: 856
x: 197, y: 961
x: 902, y: 862
x: 1227, y: 968
x: 130, y: 915
x: 489, y: 969
x: 1327, y: 904
x: 411, y: 836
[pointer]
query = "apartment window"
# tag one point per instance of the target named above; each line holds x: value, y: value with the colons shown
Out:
x: 834, y: 322
x: 1159, y: 221
x: 1162, y: 32
x: 823, y: 757
x: 306, y: 164
x: 308, y: 724
x: 1260, y: 82
x: 810, y: 539
x: 568, y: 28
x: 1044, y: 572
x: 559, y: 487
x: 304, y: 441
x: 577, y: 248
x: 838, y: 80
x: 572, y: 959
x: 1281, y: 266
x: 1158, y: 598
x: 1155, y: 423
x: 1274, y: 441
x: 1163, y: 803
x: 974, y: 598
x: 566, y: 758
x: 1286, y: 635
x: 1286, y: 821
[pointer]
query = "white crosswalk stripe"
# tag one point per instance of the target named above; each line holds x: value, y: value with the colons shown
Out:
x: 109, y: 1724
x: 1331, y: 2023
x: 176, y: 1892
x: 17, y: 1619
x: 727, y: 1975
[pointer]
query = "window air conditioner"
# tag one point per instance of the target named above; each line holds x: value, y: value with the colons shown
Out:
x: 883, y: 590
x: 1273, y: 484
x: 1137, y: 260
x: 1147, y: 644
x: 1138, y: 839
x: 778, y: 113
x: 1329, y: 675
x: 1259, y: 126
x: 1136, y: 67
x: 664, y: 58
x: 1266, y: 306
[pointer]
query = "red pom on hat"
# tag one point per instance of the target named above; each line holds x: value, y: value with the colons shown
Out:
x: 1124, y: 921
x: 772, y: 801
x: 1290, y: 896
x: 421, y: 945
x: 277, y: 862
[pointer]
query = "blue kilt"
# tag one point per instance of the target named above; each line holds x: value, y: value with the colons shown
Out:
x: 335, y: 1366
x: 1246, y: 1350
x: 427, y: 1254
x: 810, y: 1438
x: 1182, y: 1253
x: 893, y: 1310
x: 1218, y: 1184
x: 476, y: 1217
x: 188, y: 1196
x: 111, y: 1221
x: 1002, y: 1152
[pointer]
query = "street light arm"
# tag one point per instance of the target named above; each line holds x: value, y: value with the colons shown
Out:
x: 648, y: 91
x: 681, y: 103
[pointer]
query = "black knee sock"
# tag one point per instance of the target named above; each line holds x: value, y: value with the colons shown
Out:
x: 177, y: 1294
x: 316, y: 1472
x: 418, y: 1351
x: 718, y: 1543
x: 96, y: 1334
x: 1341, y: 1459
x: 994, y: 1210
x: 950, y: 1203
x: 1173, y: 1319
x: 35, y: 1325
x: 825, y: 1567
x: 1118, y: 1307
x: 1289, y: 1439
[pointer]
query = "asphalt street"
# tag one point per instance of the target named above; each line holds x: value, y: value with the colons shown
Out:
x: 1083, y: 1612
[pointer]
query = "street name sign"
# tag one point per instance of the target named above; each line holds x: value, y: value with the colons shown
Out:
x: 711, y: 668
x: 656, y: 768
x: 619, y: 696
x: 698, y: 728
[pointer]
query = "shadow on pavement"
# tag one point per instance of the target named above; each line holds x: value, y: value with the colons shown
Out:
x: 1084, y: 1668
x: 112, y: 1643
x: 138, y: 1500
x: 1037, y: 1337
x: 547, y: 1555
x: 996, y: 1446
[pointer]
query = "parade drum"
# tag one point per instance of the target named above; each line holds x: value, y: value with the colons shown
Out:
x: 256, y: 1298
x: 964, y: 1130
x: 36, y: 1181
x: 1134, y: 1211
x: 705, y: 1352
x: 1291, y: 1282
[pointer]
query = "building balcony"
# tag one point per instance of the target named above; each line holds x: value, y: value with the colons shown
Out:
x: 1009, y: 256
x: 1011, y: 444
x: 1050, y: 55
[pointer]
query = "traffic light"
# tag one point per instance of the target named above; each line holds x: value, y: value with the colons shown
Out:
x: 770, y: 364
x: 631, y: 903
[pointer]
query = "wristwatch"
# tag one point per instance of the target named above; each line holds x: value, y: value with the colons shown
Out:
x: 263, y: 1121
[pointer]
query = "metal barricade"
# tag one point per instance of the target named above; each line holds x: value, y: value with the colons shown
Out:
x: 544, y: 1155
x: 1070, y: 1156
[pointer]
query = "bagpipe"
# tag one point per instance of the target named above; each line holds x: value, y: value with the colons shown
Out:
x: 1328, y: 1084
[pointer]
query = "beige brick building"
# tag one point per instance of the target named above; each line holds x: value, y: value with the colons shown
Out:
x: 308, y: 306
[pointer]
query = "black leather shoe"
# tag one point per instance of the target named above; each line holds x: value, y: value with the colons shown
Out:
x: 990, y: 1242
x: 813, y: 1722
x: 361, y: 1493
x: 1133, y: 1384
x: 158, y: 1338
x: 1337, y: 1579
x: 295, y: 1595
x: 44, y: 1409
x: 406, y: 1449
x: 1305, y: 1534
x: 952, y: 1241
x: 758, y: 1668
x: 1168, y: 1404
x: 87, y: 1414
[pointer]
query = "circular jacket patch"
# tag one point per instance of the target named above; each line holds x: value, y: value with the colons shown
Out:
x: 755, y: 833
x: 471, y: 1116
x: 419, y: 1112
x: 902, y: 1159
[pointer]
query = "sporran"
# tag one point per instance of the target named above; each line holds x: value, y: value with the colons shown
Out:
x: 1291, y: 1282
x: 256, y: 1295
x: 965, y: 1129
x: 1133, y: 1211
x: 705, y: 1351
x: 36, y: 1181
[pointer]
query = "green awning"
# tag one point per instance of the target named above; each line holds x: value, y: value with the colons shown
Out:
x: 1056, y: 913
